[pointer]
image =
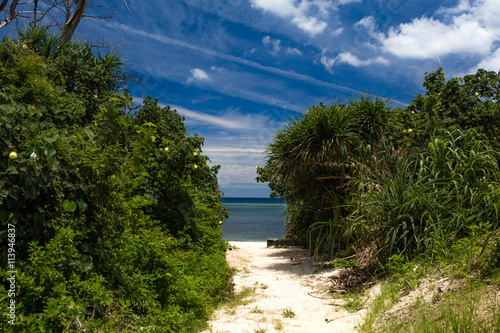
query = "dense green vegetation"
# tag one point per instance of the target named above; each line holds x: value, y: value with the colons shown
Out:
x: 410, y: 182
x: 115, y: 212
x: 410, y: 195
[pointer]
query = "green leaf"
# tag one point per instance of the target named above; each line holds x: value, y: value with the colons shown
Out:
x: 50, y: 139
x: 82, y: 205
x: 69, y: 206
x: 11, y: 170
x: 85, y: 265
x: 51, y: 152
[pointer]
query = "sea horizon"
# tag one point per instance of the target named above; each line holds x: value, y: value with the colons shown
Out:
x: 253, y: 219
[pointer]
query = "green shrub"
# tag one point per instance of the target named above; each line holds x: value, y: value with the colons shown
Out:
x: 113, y: 231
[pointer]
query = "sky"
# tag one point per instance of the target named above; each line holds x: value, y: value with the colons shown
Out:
x: 238, y: 70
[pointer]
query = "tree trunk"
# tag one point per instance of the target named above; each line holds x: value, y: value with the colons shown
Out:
x: 3, y: 4
x: 72, y: 23
x: 12, y: 12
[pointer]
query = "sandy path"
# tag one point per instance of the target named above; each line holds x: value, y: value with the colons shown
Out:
x: 283, y: 278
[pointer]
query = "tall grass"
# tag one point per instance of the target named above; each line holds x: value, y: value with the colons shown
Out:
x: 433, y: 199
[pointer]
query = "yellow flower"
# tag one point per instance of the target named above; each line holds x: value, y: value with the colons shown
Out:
x: 195, y: 166
x: 413, y: 112
x: 13, y: 155
x: 220, y: 222
x: 477, y: 94
x: 195, y: 153
x: 410, y: 130
x: 25, y: 46
x: 166, y: 148
x: 404, y: 131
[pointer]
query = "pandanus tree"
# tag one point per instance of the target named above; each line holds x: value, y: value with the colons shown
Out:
x: 312, y: 160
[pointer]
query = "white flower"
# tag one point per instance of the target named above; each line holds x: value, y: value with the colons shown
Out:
x: 33, y: 156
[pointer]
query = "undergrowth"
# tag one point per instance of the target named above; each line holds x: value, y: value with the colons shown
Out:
x: 460, y: 293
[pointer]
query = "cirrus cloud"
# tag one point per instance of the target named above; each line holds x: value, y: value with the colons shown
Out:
x: 299, y: 12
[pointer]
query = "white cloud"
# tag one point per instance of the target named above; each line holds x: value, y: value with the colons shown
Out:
x: 170, y: 41
x: 337, y: 32
x: 346, y: 2
x: 274, y: 44
x: 369, y: 23
x: 310, y: 24
x: 237, y: 157
x: 233, y: 150
x: 217, y: 69
x: 274, y: 47
x: 328, y: 62
x: 471, y: 27
x: 198, y: 75
x: 463, y: 6
x: 488, y: 12
x: 350, y: 59
x: 299, y: 12
x: 490, y: 63
x: 293, y: 51
x: 230, y: 119
x: 425, y: 38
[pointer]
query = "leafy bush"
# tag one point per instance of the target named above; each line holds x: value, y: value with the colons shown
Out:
x: 116, y: 215
x: 411, y: 182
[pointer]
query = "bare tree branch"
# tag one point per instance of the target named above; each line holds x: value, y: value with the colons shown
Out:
x: 13, y: 6
x: 72, y: 23
x: 64, y: 14
x: 3, y: 4
x: 35, y: 10
x: 12, y: 13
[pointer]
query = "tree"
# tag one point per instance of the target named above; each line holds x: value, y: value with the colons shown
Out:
x: 65, y: 14
x: 74, y: 20
x: 312, y: 161
x: 86, y: 187
x: 464, y: 103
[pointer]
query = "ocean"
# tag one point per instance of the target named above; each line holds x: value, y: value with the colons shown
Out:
x: 253, y: 219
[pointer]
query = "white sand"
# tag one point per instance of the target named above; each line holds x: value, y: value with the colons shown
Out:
x: 244, y: 245
x: 284, y: 278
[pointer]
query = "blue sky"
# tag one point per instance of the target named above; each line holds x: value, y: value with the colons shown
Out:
x: 239, y: 69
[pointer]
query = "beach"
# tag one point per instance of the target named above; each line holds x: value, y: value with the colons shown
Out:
x: 290, y: 293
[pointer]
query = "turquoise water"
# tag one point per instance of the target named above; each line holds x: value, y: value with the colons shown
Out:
x: 253, y: 219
